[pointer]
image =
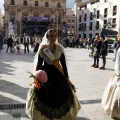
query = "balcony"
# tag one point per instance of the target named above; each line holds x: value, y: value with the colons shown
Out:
x: 97, y: 27
x: 114, y: 13
x: 58, y: 6
x: 90, y: 28
x: 25, y: 3
x: 105, y: 15
x: 114, y: 25
x: 12, y: 3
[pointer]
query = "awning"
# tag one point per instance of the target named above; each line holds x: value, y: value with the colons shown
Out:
x: 107, y: 32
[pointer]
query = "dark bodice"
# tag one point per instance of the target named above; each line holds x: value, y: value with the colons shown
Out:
x: 42, y: 64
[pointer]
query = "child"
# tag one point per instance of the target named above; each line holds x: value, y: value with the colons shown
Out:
x: 18, y: 46
x: 13, y: 47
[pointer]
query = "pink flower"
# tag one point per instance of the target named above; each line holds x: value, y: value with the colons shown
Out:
x: 41, y: 76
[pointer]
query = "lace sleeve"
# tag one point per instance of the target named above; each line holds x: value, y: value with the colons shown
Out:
x: 117, y: 63
x: 63, y: 63
x: 39, y: 63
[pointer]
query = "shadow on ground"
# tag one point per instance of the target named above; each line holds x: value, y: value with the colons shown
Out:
x: 9, y: 87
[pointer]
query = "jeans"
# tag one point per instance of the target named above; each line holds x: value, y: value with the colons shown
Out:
x: 8, y: 48
x: 26, y: 45
x: 96, y: 60
x: 104, y: 60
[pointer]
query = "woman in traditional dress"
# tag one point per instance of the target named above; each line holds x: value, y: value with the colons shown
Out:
x: 111, y: 96
x: 56, y: 100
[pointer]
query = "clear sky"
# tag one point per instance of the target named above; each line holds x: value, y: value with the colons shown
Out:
x: 69, y: 4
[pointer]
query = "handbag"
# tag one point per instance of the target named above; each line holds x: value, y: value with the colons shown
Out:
x: 95, y: 53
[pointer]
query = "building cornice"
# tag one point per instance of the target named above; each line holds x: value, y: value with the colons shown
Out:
x: 85, y: 3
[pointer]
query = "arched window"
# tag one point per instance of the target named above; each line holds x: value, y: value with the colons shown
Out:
x: 25, y: 2
x: 46, y: 4
x: 58, y: 5
x: 36, y: 3
x: 12, y: 2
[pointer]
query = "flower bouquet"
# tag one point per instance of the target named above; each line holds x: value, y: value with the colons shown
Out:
x: 40, y: 77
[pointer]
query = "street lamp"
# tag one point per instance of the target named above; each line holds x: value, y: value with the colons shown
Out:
x: 109, y: 25
x: 94, y: 13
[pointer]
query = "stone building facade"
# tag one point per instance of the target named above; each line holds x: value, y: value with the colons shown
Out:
x: 34, y: 15
x: 71, y: 23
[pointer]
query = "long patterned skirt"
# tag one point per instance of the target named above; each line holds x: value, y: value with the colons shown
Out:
x: 36, y: 115
x: 111, y: 98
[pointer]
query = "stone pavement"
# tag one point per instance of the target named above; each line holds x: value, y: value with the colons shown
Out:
x: 90, y: 83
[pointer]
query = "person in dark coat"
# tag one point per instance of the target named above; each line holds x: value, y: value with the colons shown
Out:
x: 9, y: 44
x: 103, y: 51
x: 97, y: 46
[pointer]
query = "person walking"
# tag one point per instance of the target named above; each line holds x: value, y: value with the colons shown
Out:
x: 97, y: 46
x: 56, y: 99
x: 26, y: 41
x: 9, y: 44
x: 103, y: 51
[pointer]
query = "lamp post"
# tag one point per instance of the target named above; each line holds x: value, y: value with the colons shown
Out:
x: 109, y: 23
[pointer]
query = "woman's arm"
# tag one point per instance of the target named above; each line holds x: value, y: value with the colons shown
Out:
x: 63, y: 63
x: 39, y: 63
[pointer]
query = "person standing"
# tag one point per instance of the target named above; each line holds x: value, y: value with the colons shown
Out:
x: 115, y: 47
x: 56, y: 99
x: 9, y: 44
x: 37, y: 42
x: 1, y: 42
x: 97, y: 46
x: 103, y: 51
x: 26, y: 41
